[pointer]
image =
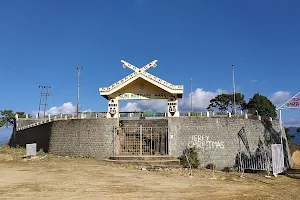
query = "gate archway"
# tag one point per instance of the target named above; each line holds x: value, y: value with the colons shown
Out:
x: 142, y: 140
x: 141, y: 85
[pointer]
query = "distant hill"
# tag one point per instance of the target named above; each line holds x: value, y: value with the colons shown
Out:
x: 5, y: 134
x: 293, y: 131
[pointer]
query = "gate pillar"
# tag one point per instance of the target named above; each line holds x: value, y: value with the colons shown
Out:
x: 173, y: 107
x: 113, y: 108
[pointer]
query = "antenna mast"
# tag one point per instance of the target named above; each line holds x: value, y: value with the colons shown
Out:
x: 78, y: 84
x: 234, y: 107
x: 192, y: 97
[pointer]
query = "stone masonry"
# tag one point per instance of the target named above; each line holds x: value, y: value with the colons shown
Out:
x: 217, y: 139
x: 86, y: 137
x: 39, y: 134
x: 83, y: 137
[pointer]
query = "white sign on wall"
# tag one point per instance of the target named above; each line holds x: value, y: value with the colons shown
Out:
x: 143, y: 96
x: 31, y: 149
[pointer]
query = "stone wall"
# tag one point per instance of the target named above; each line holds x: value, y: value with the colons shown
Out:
x: 84, y: 137
x: 39, y: 134
x: 217, y: 139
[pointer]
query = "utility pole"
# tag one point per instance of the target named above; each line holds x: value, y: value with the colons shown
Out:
x: 43, y: 94
x: 234, y: 107
x: 78, y: 84
x: 192, y: 97
x: 40, y: 101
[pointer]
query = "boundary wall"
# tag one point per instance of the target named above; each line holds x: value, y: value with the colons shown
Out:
x: 217, y: 139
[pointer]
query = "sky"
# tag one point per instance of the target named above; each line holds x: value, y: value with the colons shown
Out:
x: 42, y: 42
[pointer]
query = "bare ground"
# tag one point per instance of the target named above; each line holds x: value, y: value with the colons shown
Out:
x: 54, y: 177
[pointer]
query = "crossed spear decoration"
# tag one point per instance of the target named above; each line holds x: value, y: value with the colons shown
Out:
x: 139, y: 70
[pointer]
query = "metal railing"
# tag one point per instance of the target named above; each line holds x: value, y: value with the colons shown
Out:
x: 133, y: 115
x: 260, y: 161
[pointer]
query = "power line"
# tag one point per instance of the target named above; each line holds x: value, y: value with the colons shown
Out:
x: 212, y: 82
x: 46, y: 95
x: 21, y: 74
x: 27, y: 79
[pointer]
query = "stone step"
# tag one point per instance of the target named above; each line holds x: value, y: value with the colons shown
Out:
x: 294, y: 171
x: 143, y: 157
x: 147, y: 162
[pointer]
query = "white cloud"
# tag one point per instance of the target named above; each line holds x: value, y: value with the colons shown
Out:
x: 131, y: 107
x: 158, y: 105
x: 293, y: 122
x: 280, y: 97
x: 66, y: 108
x: 88, y: 110
x: 201, y: 100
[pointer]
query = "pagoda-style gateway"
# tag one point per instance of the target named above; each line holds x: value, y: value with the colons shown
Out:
x: 141, y: 85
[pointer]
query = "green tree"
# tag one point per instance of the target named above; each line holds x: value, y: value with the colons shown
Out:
x: 223, y: 102
x: 287, y: 130
x: 8, y: 116
x: 262, y: 105
x: 298, y: 130
x: 189, y: 157
x: 288, y: 136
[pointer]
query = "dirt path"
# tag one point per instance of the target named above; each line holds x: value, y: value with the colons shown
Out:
x: 94, y: 179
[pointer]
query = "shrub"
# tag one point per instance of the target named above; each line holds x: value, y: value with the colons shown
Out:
x: 226, y: 169
x: 192, y: 155
x: 41, y: 152
x: 210, y: 166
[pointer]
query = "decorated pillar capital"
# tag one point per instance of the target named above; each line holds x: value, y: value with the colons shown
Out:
x: 173, y: 107
x: 113, y: 108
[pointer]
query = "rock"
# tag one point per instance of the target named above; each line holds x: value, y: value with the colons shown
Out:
x: 143, y: 168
